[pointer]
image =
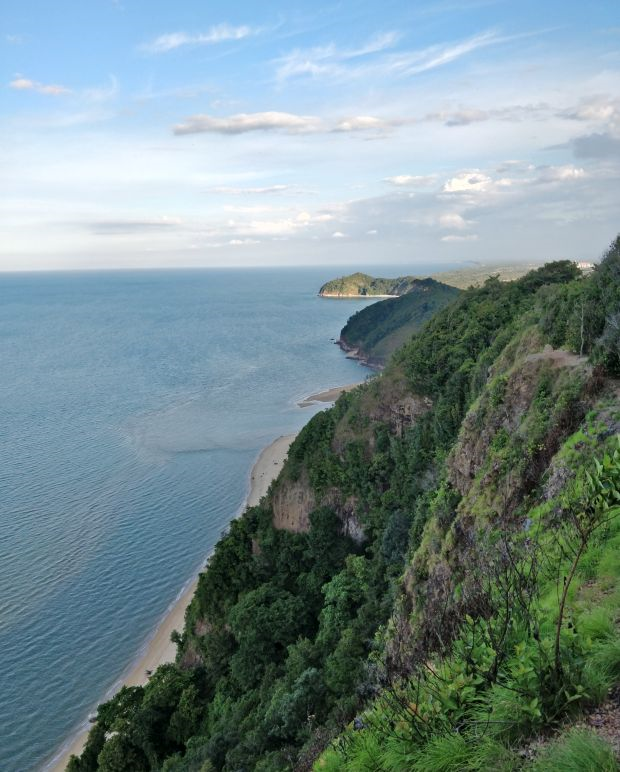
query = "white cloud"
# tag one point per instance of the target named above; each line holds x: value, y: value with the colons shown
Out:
x: 25, y: 84
x: 339, y: 235
x: 596, y: 108
x: 288, y: 123
x: 467, y: 182
x: 560, y: 173
x: 411, y: 180
x: 469, y: 237
x: 454, y: 221
x: 220, y: 33
x: 246, y: 122
x: 361, y: 123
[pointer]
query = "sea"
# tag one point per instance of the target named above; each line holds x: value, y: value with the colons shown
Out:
x: 133, y: 405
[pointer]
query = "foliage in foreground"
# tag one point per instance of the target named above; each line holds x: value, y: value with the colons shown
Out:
x: 532, y: 663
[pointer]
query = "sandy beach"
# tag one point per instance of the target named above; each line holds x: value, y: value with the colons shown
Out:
x: 159, y: 649
x: 330, y: 395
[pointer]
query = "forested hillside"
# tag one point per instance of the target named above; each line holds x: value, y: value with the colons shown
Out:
x: 433, y: 580
x: 375, y: 332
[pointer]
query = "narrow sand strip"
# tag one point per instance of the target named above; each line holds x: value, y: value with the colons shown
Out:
x: 267, y: 468
x: 160, y: 648
x: 330, y: 395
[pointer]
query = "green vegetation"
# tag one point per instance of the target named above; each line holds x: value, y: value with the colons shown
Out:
x: 378, y: 330
x: 457, y: 593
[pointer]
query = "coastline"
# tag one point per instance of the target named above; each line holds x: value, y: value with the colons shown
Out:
x: 159, y: 649
x: 355, y: 297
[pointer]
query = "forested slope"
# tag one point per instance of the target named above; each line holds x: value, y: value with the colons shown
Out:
x: 375, y: 332
x: 437, y: 560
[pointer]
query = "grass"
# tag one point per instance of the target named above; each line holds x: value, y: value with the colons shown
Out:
x: 579, y: 750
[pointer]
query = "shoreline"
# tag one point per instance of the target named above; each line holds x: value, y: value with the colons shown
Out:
x: 329, y: 395
x: 355, y: 297
x: 158, y: 649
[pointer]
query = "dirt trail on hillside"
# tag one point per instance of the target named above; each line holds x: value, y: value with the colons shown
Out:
x: 559, y: 357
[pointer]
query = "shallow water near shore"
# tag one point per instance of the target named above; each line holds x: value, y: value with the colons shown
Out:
x: 132, y: 407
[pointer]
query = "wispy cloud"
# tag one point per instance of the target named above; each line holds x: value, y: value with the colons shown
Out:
x: 98, y: 94
x: 332, y: 62
x: 328, y: 59
x: 128, y: 227
x: 270, y: 189
x: 219, y: 33
x: 453, y: 237
x: 51, y: 89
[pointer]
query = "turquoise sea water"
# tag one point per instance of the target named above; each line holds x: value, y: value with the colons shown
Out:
x: 132, y: 407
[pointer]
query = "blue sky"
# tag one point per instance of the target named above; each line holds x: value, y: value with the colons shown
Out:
x: 143, y: 133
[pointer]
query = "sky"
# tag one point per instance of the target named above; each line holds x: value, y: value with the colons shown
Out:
x: 144, y: 133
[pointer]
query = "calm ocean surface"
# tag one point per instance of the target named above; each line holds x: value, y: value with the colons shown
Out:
x: 132, y: 407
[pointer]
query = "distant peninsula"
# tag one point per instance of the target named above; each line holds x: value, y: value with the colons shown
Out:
x: 359, y: 284
x: 362, y: 285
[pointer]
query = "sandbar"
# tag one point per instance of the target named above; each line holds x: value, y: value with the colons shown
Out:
x: 330, y: 395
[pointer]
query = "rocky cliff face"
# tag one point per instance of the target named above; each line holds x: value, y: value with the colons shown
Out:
x: 293, y: 501
x: 503, y: 462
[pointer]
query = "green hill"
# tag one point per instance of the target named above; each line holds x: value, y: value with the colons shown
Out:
x: 432, y: 582
x: 376, y: 331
